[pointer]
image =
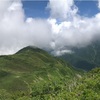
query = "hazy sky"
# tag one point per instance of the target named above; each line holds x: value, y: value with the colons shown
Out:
x: 52, y: 25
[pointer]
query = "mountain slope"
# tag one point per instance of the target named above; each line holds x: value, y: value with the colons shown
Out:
x: 86, y: 57
x: 87, y: 88
x: 31, y: 67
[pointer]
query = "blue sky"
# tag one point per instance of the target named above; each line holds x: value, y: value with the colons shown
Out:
x: 87, y: 8
x: 38, y: 9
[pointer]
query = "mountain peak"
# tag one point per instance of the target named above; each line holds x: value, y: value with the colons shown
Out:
x: 30, y: 49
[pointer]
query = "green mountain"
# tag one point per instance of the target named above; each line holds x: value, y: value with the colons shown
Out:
x: 32, y: 73
x: 86, y: 57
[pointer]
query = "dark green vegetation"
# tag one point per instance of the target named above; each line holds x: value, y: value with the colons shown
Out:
x: 32, y: 72
x: 86, y: 57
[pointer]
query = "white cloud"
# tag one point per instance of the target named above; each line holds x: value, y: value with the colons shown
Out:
x: 70, y: 31
x: 61, y: 52
x: 77, y: 31
x: 62, y: 8
x: 99, y: 4
x: 16, y: 32
x: 4, y: 4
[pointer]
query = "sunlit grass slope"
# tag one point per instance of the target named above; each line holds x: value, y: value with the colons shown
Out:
x: 32, y: 67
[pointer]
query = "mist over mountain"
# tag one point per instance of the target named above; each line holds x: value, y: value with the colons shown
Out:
x: 86, y: 57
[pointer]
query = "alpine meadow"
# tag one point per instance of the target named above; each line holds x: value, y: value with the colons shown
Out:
x: 49, y: 50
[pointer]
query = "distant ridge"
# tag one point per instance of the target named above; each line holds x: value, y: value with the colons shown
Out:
x: 85, y: 58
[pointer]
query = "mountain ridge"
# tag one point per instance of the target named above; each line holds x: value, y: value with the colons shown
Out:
x: 29, y: 65
x: 40, y: 76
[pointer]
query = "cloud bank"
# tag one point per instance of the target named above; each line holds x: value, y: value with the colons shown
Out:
x: 63, y: 29
x: 16, y: 31
x: 73, y: 30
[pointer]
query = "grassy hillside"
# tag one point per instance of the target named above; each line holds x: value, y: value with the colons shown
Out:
x: 87, y: 88
x: 32, y: 72
x: 86, y: 57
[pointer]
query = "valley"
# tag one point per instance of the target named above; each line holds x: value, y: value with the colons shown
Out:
x: 85, y: 58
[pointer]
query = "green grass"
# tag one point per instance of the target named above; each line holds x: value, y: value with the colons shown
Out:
x: 33, y: 74
x: 30, y: 69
